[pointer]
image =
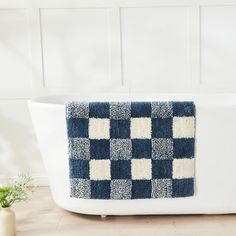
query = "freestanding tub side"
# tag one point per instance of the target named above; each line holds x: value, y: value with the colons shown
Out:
x: 215, y: 157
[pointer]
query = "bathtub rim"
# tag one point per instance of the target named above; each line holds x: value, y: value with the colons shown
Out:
x: 198, y: 98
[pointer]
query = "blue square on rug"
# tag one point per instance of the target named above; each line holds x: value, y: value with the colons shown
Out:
x: 141, y: 148
x: 161, y: 128
x: 120, y: 129
x: 161, y: 169
x: 182, y: 187
x: 99, y: 110
x: 141, y: 109
x: 183, y: 109
x: 77, y: 128
x: 141, y: 189
x: 184, y: 148
x: 121, y: 169
x: 99, y: 149
x: 79, y: 168
x: 100, y: 189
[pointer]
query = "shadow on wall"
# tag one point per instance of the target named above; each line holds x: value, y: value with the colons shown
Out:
x: 19, y: 151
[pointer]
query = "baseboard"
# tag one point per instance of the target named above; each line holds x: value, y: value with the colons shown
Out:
x: 38, y: 180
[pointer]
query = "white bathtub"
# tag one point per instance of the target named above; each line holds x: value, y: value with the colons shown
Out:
x: 215, y: 180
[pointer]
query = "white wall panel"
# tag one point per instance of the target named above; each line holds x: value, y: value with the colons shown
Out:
x: 15, y: 62
x: 76, y: 47
x: 19, y: 150
x: 155, y: 46
x: 218, y: 45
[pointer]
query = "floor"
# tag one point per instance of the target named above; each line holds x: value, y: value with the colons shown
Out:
x: 41, y: 217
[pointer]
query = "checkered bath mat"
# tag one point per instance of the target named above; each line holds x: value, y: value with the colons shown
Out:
x: 131, y: 150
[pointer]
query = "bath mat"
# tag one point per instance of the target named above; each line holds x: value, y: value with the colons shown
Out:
x: 131, y: 150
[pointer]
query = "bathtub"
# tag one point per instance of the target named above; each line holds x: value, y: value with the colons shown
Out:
x: 215, y: 174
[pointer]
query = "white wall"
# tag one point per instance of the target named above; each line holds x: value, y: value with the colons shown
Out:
x: 64, y: 46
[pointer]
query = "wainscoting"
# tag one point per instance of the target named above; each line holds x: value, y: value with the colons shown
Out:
x: 91, y: 46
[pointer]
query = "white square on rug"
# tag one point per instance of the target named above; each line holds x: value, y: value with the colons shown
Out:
x: 99, y: 128
x: 141, y: 169
x: 141, y: 128
x: 100, y: 169
x: 183, y: 127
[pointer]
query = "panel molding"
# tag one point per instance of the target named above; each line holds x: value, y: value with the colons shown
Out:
x: 221, y: 68
x: 116, y: 64
x: 36, y: 48
x: 153, y: 44
x: 83, y: 50
x: 15, y: 46
x: 195, y: 45
x: 115, y: 48
x: 108, y: 3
